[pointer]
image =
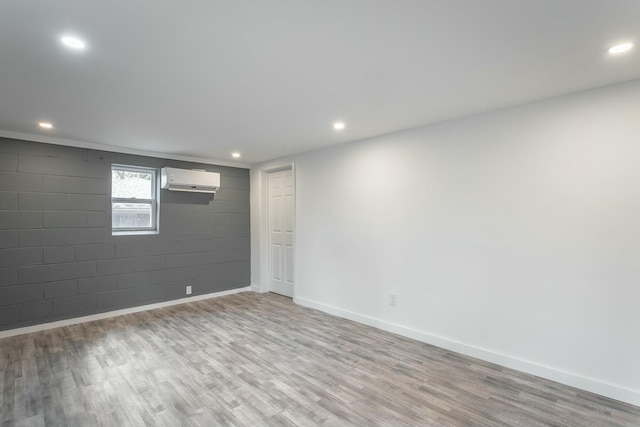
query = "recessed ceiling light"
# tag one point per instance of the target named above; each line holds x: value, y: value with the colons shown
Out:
x: 338, y: 125
x: 45, y: 125
x: 621, y: 48
x: 73, y: 42
x: 235, y: 155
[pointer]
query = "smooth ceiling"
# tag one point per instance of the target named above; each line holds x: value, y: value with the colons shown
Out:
x: 268, y: 78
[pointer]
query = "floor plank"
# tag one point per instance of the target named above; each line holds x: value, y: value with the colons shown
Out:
x: 252, y: 359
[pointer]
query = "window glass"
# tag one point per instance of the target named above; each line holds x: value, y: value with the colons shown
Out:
x: 129, y: 184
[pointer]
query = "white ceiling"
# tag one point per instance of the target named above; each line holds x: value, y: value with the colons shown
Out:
x: 203, y: 78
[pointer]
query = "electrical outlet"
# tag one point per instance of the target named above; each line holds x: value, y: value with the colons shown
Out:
x: 393, y: 299
x: 188, y: 290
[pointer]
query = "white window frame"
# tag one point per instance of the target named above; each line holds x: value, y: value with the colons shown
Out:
x: 153, y: 202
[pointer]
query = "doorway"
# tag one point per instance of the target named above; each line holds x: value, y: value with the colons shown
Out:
x: 281, y: 214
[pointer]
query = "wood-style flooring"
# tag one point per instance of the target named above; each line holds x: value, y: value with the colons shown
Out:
x: 253, y: 360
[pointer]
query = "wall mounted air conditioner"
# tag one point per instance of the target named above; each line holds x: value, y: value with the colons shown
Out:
x: 197, y: 181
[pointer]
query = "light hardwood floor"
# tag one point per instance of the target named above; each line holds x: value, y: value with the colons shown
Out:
x: 251, y: 359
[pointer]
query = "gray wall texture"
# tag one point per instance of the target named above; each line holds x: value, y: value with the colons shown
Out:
x: 58, y: 258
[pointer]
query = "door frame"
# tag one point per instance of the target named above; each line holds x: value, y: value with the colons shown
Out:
x: 263, y: 176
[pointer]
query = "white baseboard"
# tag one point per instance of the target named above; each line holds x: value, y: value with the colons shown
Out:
x: 258, y: 289
x: 115, y: 313
x: 602, y: 388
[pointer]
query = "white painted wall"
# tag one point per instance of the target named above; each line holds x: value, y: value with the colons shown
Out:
x: 512, y: 235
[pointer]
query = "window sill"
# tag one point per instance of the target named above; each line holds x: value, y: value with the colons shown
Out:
x: 133, y: 232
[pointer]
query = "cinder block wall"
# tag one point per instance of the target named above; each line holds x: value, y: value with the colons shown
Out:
x: 58, y: 258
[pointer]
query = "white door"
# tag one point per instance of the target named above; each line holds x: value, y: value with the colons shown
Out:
x: 281, y: 213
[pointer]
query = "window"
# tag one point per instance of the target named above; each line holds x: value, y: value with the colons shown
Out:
x: 134, y: 200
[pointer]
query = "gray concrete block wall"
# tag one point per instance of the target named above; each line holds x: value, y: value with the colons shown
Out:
x: 58, y: 258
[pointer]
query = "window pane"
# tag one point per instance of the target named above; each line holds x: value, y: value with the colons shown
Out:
x: 131, y: 215
x: 131, y: 185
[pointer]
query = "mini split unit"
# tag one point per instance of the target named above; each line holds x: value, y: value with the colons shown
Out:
x: 197, y: 181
